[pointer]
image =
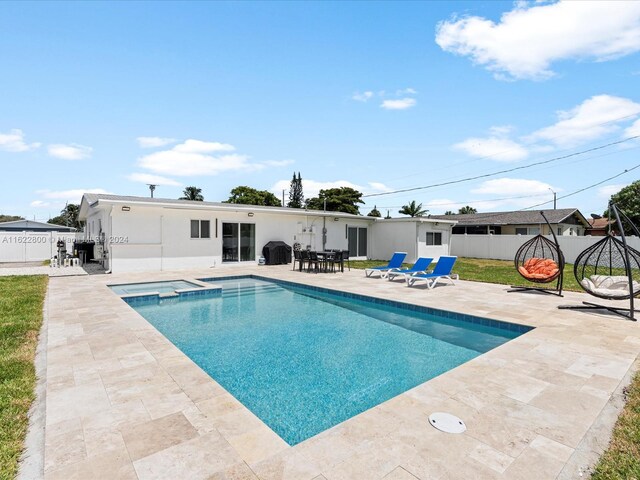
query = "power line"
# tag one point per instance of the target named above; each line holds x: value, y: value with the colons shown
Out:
x: 614, y: 120
x: 522, y: 167
x: 587, y: 188
x: 468, y: 202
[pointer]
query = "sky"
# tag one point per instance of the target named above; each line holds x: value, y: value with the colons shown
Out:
x: 379, y: 96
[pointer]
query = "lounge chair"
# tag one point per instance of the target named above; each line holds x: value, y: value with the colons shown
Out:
x: 442, y: 270
x: 395, y: 263
x: 421, y: 266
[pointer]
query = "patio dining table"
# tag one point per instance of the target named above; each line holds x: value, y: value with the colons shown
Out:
x: 326, y: 256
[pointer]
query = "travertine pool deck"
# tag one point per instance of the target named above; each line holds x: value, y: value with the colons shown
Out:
x: 123, y: 402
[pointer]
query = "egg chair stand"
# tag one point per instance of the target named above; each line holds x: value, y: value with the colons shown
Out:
x: 606, y: 270
x: 540, y: 261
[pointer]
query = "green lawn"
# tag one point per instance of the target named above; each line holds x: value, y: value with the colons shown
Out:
x: 490, y: 271
x: 21, y: 301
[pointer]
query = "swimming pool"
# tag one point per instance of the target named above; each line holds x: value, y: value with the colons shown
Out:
x: 305, y: 359
x: 159, y: 287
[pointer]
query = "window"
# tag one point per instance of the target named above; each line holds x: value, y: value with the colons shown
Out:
x: 200, y: 229
x: 434, y: 238
x: 559, y: 230
x: 534, y: 231
x: 521, y: 230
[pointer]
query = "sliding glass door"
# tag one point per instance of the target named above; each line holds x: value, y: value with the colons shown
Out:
x: 357, y: 241
x: 238, y: 242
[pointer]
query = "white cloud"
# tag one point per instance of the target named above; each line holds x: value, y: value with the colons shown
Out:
x: 362, y: 97
x: 514, y: 187
x: 148, y: 178
x: 495, y: 148
x: 154, y: 142
x: 40, y: 204
x: 72, y: 151
x: 632, y: 130
x: 198, y: 146
x: 311, y: 188
x: 14, y: 142
x: 441, y: 205
x: 529, y: 39
x: 406, y: 91
x: 608, y: 190
x: 593, y: 118
x: 71, y: 196
x: 400, y: 104
x: 197, y: 157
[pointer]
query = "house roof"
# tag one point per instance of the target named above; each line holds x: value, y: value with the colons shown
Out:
x: 521, y: 217
x: 31, y: 225
x: 93, y: 199
x: 599, y: 223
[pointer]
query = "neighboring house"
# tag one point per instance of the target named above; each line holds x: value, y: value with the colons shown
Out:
x: 564, y: 221
x: 599, y: 227
x: 33, y: 226
x: 140, y: 233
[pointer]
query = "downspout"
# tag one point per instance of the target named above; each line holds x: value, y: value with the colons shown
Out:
x: 161, y: 241
x: 110, y: 235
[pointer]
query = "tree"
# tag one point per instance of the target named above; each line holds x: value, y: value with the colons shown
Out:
x: 467, y: 210
x: 250, y: 196
x: 68, y: 216
x: 449, y: 212
x: 296, y: 196
x: 10, y: 218
x: 342, y: 199
x: 374, y: 213
x: 192, y: 193
x: 413, y: 210
x: 388, y: 215
x: 628, y: 200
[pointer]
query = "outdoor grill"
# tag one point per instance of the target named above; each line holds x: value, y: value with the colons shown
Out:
x: 276, y: 253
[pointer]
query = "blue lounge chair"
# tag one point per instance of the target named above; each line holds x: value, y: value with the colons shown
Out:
x: 395, y: 263
x: 421, y: 266
x: 442, y: 270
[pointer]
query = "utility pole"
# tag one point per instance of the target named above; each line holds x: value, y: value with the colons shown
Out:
x: 283, y: 197
x: 554, y: 198
x: 152, y: 187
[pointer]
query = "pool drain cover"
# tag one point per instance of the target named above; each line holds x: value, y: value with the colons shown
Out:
x: 447, y: 422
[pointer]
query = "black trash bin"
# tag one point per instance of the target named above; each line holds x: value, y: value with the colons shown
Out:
x: 276, y: 253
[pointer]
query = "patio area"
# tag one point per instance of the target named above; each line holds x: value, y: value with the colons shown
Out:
x: 121, y: 401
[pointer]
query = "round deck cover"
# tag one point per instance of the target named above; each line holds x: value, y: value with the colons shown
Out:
x: 447, y: 422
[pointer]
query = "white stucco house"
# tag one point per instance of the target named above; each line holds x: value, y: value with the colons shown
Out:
x: 151, y: 234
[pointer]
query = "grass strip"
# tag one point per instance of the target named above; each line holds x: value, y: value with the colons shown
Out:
x: 21, y: 302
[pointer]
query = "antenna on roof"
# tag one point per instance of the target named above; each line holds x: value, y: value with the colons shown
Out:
x: 152, y: 187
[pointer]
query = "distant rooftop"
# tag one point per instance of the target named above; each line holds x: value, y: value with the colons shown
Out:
x: 522, y: 217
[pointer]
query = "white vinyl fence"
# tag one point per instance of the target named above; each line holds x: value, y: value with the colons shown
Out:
x: 32, y: 246
x: 504, y: 247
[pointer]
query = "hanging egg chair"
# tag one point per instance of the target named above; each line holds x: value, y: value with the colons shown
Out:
x: 540, y: 261
x: 610, y: 269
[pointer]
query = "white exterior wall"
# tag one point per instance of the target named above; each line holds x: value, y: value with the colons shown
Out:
x: 32, y: 246
x: 408, y: 236
x: 159, y: 238
x: 433, y: 251
x: 504, y: 247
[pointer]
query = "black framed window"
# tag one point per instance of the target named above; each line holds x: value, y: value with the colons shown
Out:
x: 200, y: 229
x: 434, y: 238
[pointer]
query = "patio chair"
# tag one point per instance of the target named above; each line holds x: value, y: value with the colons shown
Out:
x: 421, y: 266
x: 345, y: 258
x: 335, y: 260
x: 442, y: 270
x: 297, y: 257
x: 394, y: 264
x: 314, y: 261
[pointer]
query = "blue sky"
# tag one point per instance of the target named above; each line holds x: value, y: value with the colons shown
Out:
x: 107, y: 97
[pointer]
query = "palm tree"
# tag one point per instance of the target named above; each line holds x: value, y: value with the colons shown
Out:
x: 467, y: 210
x: 192, y: 193
x: 413, y: 210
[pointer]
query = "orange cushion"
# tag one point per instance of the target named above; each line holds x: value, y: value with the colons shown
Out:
x: 539, y: 268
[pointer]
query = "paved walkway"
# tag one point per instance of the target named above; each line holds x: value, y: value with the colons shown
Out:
x: 123, y: 402
x: 36, y: 268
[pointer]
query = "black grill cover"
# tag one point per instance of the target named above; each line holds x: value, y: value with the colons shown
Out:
x: 276, y: 253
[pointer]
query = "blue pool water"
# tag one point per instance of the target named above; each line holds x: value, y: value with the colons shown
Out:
x: 305, y: 360
x: 160, y: 287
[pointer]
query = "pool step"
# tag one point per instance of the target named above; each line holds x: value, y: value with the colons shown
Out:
x: 248, y: 290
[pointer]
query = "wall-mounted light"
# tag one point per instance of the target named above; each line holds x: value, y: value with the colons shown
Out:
x: 126, y: 209
x: 336, y: 219
x: 251, y: 214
